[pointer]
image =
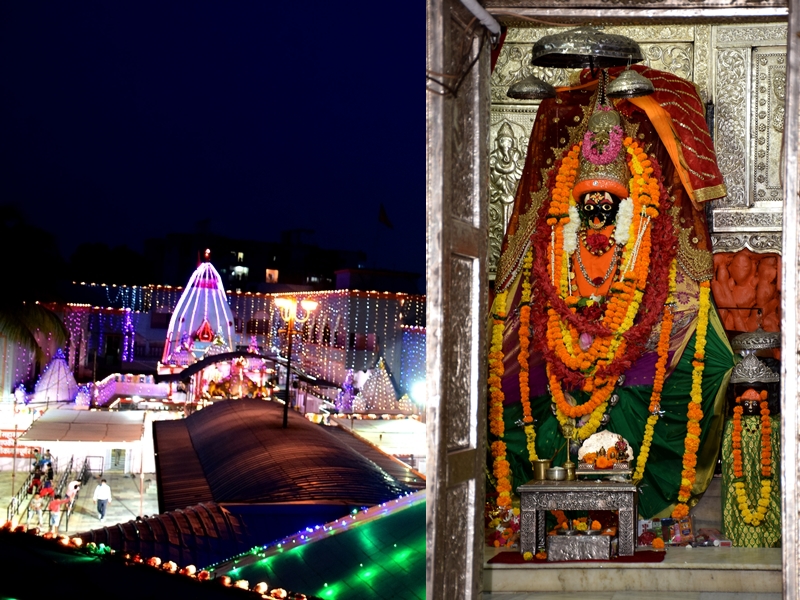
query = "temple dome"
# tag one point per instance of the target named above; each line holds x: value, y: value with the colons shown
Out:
x: 201, y: 317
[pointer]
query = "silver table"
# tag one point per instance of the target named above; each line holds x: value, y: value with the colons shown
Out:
x: 538, y: 497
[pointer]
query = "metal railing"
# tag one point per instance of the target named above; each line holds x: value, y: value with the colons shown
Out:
x: 82, y: 476
x: 18, y: 498
x: 64, y: 477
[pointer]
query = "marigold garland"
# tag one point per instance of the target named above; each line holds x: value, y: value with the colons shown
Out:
x: 595, y: 364
x: 524, y: 355
x: 660, y: 376
x: 695, y: 411
x: 501, y: 468
x: 753, y: 518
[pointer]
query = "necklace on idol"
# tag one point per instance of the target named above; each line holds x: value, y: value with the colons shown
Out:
x: 597, y: 281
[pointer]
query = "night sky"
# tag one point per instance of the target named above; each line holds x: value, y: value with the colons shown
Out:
x: 121, y: 121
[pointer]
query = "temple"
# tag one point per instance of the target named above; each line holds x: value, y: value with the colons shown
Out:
x: 633, y: 316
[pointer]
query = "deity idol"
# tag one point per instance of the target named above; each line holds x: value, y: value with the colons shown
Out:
x: 602, y: 317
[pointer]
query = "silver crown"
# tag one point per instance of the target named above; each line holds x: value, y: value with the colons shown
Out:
x: 752, y: 370
x: 756, y: 340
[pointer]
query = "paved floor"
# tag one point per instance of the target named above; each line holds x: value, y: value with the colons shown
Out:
x: 128, y: 502
x: 631, y: 596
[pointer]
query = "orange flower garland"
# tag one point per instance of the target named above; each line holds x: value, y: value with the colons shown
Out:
x: 695, y: 411
x: 501, y: 468
x: 625, y: 295
x: 753, y: 518
x: 524, y: 355
x: 658, y: 380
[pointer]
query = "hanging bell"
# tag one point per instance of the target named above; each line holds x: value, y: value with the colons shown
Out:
x: 630, y: 84
x: 531, y: 88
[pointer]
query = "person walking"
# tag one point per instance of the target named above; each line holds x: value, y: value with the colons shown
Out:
x: 55, y: 512
x: 102, y: 495
x: 36, y: 506
x: 72, y: 489
x: 47, y: 489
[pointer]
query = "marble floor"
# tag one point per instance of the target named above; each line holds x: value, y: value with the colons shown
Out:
x: 684, y: 574
x: 630, y: 596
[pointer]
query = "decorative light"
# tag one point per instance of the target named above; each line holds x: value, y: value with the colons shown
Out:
x: 419, y: 393
x: 288, y: 309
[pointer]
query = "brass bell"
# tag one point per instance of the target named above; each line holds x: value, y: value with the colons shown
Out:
x: 531, y: 88
x: 630, y: 84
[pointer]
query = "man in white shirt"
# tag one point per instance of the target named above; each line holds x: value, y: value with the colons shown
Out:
x: 102, y: 495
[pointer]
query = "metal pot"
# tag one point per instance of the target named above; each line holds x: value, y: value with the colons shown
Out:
x: 540, y: 467
x: 556, y: 473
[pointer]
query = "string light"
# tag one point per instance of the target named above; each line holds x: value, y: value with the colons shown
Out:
x: 344, y: 335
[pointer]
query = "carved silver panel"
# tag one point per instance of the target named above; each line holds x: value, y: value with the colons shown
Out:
x: 790, y: 309
x: 520, y: 32
x: 751, y: 34
x: 769, y: 100
x: 578, y: 547
x: 465, y: 172
x: 459, y: 531
x: 675, y: 58
x: 757, y: 242
x: 458, y: 355
x: 513, y: 65
x: 457, y: 130
x: 510, y: 131
x: 636, y: 9
x: 730, y: 124
x: 538, y: 497
x: 702, y: 59
x: 744, y: 220
x: 750, y: 72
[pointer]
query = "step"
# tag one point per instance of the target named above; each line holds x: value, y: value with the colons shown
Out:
x: 708, y: 512
x: 744, y: 570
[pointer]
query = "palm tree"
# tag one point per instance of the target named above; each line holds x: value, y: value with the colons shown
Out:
x: 32, y: 271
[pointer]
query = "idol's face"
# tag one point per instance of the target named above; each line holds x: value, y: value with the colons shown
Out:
x: 599, y: 209
x: 751, y: 407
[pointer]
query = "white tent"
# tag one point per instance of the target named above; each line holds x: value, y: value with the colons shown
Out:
x: 56, y: 384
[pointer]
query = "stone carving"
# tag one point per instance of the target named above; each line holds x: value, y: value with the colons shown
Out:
x: 458, y: 361
x: 769, y: 74
x: 730, y: 135
x: 757, y: 242
x: 747, y: 221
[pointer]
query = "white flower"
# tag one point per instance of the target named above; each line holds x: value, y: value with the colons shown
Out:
x: 571, y: 231
x: 603, y: 440
x: 622, y: 232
